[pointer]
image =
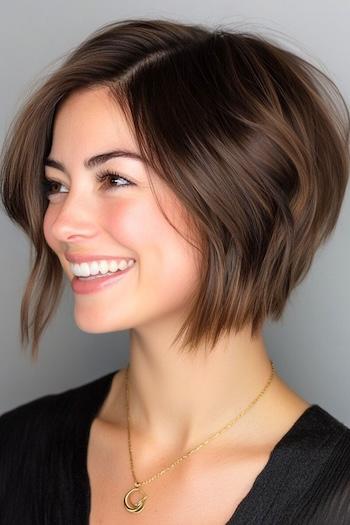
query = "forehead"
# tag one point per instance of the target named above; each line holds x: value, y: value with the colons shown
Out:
x: 90, y: 120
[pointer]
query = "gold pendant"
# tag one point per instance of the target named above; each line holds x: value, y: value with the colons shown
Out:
x: 131, y: 507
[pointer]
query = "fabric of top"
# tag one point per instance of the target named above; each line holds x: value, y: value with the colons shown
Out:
x: 44, y: 478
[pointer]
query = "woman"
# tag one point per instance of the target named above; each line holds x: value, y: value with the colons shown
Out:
x: 183, y: 179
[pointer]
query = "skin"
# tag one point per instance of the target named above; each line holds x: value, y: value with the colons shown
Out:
x: 176, y: 401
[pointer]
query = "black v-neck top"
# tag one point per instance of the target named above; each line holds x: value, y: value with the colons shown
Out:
x: 44, y: 478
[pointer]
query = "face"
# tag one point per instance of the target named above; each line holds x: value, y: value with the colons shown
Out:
x: 118, y: 217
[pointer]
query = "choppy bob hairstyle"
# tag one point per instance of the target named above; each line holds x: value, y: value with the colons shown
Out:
x: 252, y: 139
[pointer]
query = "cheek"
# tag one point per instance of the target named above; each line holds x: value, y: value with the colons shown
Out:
x: 166, y: 261
x: 142, y: 227
x: 124, y: 222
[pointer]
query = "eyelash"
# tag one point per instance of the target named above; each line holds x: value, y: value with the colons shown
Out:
x: 104, y: 176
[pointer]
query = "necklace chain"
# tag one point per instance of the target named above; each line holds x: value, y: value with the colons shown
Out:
x: 137, y: 484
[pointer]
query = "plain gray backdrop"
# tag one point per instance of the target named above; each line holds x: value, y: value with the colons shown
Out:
x: 310, y: 345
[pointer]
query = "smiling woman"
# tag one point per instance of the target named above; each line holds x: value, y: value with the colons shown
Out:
x: 179, y: 177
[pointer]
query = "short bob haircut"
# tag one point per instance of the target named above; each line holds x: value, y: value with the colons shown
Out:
x: 252, y: 139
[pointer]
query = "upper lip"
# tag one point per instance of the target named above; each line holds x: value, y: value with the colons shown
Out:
x: 75, y: 258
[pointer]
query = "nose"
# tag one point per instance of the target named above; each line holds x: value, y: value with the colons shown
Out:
x: 75, y: 218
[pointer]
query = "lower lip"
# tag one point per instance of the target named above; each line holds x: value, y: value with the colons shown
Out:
x: 94, y: 285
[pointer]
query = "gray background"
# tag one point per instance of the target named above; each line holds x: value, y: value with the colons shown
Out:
x: 310, y: 345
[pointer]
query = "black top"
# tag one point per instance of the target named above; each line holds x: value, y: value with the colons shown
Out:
x: 44, y: 478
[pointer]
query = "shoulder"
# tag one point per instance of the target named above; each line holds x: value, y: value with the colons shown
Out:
x: 33, y: 416
x: 27, y: 435
x: 42, y: 453
x: 327, y: 500
x: 49, y: 408
x: 333, y: 486
x: 332, y: 442
x: 28, y: 427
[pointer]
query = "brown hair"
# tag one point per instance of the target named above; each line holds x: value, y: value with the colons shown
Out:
x: 250, y: 138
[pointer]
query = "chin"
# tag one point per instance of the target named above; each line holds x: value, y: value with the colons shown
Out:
x: 92, y: 323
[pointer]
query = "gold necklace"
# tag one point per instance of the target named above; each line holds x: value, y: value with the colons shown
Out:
x: 138, y: 507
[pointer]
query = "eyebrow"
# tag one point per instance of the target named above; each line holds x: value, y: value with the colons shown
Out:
x: 97, y: 160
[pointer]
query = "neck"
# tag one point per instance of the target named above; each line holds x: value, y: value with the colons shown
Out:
x: 181, y: 399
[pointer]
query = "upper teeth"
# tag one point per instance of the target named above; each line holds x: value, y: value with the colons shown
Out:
x: 86, y: 269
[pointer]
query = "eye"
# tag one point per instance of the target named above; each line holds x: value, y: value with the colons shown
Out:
x: 106, y: 177
x: 47, y: 186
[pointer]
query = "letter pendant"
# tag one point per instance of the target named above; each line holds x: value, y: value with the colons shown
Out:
x: 131, y: 507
